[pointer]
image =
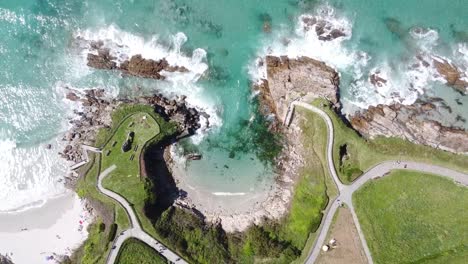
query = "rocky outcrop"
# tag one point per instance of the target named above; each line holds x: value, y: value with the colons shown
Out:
x: 135, y: 66
x: 453, y: 76
x: 410, y: 122
x: 102, y: 60
x: 96, y: 113
x: 290, y: 79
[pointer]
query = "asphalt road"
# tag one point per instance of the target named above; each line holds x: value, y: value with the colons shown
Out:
x: 346, y: 191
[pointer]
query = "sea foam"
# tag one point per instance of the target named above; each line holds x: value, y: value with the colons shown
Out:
x: 405, y: 79
x: 123, y: 45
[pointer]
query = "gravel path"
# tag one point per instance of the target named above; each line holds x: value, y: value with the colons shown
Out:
x: 346, y: 191
x: 135, y: 231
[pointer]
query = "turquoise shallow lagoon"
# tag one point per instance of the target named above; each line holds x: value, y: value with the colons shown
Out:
x: 221, y: 39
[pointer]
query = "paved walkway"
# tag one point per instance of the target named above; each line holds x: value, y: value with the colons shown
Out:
x: 135, y: 231
x: 346, y: 191
x: 85, y: 149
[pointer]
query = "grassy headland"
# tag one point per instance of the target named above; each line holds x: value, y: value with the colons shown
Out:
x: 97, y: 246
x: 411, y: 217
x: 133, y: 251
x: 364, y: 154
x: 280, y: 241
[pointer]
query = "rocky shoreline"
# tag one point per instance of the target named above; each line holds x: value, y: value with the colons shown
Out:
x: 96, y: 113
x: 291, y: 79
x: 287, y: 80
x: 305, y: 78
x: 414, y: 123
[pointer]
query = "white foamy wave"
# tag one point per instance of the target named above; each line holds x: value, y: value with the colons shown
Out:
x: 308, y: 42
x: 28, y: 176
x: 403, y: 82
x: 426, y: 39
x: 11, y: 17
x: 462, y: 49
x: 124, y: 45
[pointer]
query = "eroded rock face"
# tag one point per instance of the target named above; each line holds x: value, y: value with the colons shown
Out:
x: 136, y: 65
x: 410, y: 122
x: 289, y: 79
x: 451, y: 74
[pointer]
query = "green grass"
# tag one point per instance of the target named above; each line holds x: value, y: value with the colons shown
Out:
x: 312, y: 191
x: 134, y: 251
x: 364, y: 154
x: 96, y: 247
x: 126, y: 179
x: 411, y: 217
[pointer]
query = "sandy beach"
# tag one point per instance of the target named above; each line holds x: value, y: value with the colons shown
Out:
x: 38, y: 234
x: 238, y: 210
x: 235, y: 211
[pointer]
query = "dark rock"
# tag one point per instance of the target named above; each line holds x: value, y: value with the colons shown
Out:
x: 72, y: 96
x: 410, y: 122
x: 324, y: 29
x: 451, y: 74
x: 376, y: 80
x: 103, y: 60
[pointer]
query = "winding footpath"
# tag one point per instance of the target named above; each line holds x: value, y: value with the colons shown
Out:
x: 135, y: 231
x: 346, y: 191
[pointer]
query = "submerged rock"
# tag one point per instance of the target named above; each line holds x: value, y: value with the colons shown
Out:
x: 324, y: 29
x: 451, y: 74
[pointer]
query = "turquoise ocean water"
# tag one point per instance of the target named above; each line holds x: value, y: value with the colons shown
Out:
x: 221, y: 39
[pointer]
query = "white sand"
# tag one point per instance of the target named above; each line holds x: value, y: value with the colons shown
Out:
x: 53, y: 229
x: 235, y: 211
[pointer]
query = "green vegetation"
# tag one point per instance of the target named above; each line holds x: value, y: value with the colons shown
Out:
x: 126, y: 179
x: 133, y: 251
x: 313, y: 187
x: 96, y: 247
x: 189, y: 235
x: 93, y: 251
x: 411, y: 217
x: 199, y: 242
x: 273, y: 242
x: 363, y: 154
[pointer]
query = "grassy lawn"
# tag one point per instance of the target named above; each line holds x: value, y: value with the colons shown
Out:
x: 133, y: 251
x: 96, y: 247
x: 411, y: 217
x: 313, y: 189
x: 364, y: 154
x: 126, y: 179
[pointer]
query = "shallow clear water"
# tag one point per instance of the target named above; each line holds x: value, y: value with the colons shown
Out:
x: 39, y: 58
